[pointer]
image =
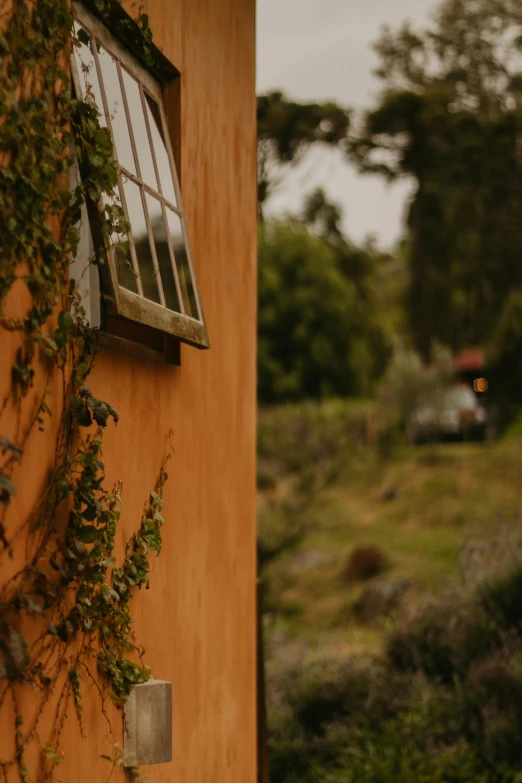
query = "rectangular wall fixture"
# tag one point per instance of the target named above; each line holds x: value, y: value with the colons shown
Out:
x: 148, y: 724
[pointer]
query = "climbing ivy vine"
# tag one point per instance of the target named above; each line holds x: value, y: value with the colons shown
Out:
x: 65, y: 612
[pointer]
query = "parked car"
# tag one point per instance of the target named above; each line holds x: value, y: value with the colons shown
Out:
x: 458, y: 415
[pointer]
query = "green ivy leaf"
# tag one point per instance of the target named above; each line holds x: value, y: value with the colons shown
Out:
x: 97, y: 161
x: 6, y: 445
x: 83, y: 36
x: 65, y: 321
x: 15, y: 652
x: 31, y: 606
x: 155, y: 498
x: 90, y: 513
x: 87, y: 534
x: 80, y: 411
x: 62, y: 490
x: 7, y: 489
x: 60, y: 339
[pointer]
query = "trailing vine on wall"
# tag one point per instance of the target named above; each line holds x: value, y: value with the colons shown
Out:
x: 65, y: 613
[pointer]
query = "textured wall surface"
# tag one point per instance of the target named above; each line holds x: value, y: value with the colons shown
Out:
x: 197, y: 621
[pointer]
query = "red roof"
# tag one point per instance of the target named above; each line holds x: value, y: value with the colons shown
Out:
x: 470, y: 359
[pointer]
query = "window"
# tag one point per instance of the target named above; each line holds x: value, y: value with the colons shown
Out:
x: 150, y: 276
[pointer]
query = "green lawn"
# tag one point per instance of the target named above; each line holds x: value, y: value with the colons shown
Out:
x: 442, y: 495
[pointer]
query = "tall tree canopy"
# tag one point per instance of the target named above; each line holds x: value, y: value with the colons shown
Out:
x: 319, y: 330
x: 450, y: 117
x: 285, y: 131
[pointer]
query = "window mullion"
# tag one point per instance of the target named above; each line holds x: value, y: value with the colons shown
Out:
x: 159, y: 281
x: 173, y: 260
x: 129, y: 123
x: 130, y: 238
x: 153, y: 151
x: 174, y: 174
x: 153, y: 249
x: 134, y: 258
x: 151, y: 191
x: 171, y: 253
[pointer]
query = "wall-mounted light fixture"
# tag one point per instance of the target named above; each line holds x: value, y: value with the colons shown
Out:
x: 148, y: 724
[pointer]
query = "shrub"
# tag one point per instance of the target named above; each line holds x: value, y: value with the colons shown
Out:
x: 317, y: 336
x: 445, y: 705
x: 363, y: 563
x: 408, y: 383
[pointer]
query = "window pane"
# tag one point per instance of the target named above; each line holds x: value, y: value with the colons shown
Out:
x: 139, y: 128
x: 87, y: 73
x: 160, y: 149
x: 180, y: 253
x: 141, y: 241
x: 121, y: 250
x: 159, y: 233
x: 81, y: 269
x: 123, y: 262
x: 120, y: 130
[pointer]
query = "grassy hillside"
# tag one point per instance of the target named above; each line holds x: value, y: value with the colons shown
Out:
x: 323, y: 492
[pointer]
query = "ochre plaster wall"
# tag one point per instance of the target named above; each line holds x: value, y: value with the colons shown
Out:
x: 197, y: 621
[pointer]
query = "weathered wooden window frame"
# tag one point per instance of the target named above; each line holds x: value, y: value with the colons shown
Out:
x: 119, y: 301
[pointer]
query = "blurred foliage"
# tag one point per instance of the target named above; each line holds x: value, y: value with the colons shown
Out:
x: 450, y: 117
x: 408, y: 383
x: 309, y: 435
x: 505, y: 350
x: 327, y: 487
x: 301, y: 447
x: 443, y: 704
x: 319, y: 333
x: 285, y: 131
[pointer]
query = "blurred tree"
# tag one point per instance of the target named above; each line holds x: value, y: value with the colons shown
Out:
x: 317, y: 335
x: 359, y: 265
x: 285, y: 131
x: 450, y: 117
x: 504, y: 352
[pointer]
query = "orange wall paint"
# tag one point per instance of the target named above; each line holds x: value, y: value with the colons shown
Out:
x: 197, y: 622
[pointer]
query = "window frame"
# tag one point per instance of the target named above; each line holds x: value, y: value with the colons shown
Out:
x: 119, y: 301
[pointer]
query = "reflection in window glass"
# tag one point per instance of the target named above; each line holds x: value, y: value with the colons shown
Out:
x: 120, y: 130
x: 139, y: 128
x: 87, y: 73
x: 141, y: 241
x: 153, y: 261
x: 122, y: 255
x: 124, y: 268
x: 160, y: 149
x: 159, y: 233
x: 81, y: 269
x: 180, y: 254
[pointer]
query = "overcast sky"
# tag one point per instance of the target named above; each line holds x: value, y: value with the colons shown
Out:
x: 320, y: 50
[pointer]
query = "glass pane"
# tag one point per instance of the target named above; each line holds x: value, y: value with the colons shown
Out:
x: 160, y: 149
x: 121, y: 250
x: 123, y: 262
x: 141, y: 240
x: 87, y: 73
x: 159, y: 232
x: 120, y: 130
x: 180, y: 253
x: 81, y: 268
x: 139, y: 128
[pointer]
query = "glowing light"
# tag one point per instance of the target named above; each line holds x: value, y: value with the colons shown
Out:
x: 480, y: 384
